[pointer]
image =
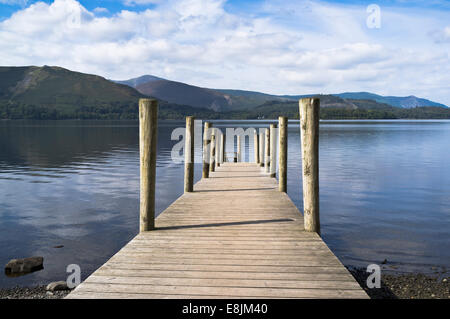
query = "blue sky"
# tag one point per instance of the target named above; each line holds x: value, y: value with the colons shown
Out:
x: 273, y: 46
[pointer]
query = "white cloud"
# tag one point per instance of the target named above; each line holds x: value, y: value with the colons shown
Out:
x: 101, y: 10
x: 141, y: 2
x: 304, y: 47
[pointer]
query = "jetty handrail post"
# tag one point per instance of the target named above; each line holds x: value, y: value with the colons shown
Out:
x: 309, y: 130
x: 261, y: 147
x: 256, y: 146
x: 282, y: 155
x: 273, y: 150
x: 189, y: 155
x: 239, y: 148
x: 267, y: 151
x: 218, y: 148
x: 222, y: 148
x: 148, y: 137
x: 206, y: 145
x: 212, y: 157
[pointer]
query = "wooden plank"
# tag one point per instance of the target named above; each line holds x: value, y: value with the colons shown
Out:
x: 248, y: 292
x: 235, y: 236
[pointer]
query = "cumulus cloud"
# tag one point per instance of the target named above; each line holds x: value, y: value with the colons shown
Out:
x: 282, y: 47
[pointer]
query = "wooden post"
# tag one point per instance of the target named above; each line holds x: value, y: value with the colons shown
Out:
x: 212, y: 158
x: 218, y: 147
x: 261, y: 147
x: 282, y: 155
x: 239, y: 146
x: 256, y: 146
x: 148, y: 133
x: 267, y: 151
x: 222, y: 148
x: 206, y: 142
x: 309, y: 130
x: 224, y: 153
x: 273, y: 150
x: 189, y: 155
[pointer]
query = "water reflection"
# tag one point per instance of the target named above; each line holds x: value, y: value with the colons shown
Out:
x: 384, y: 190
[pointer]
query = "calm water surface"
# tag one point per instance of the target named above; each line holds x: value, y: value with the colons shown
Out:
x: 384, y: 187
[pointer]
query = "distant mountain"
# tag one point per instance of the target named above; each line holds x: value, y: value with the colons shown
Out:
x: 135, y: 82
x: 404, y: 102
x: 195, y: 96
x: 185, y: 94
x: 54, y: 87
x: 230, y: 100
x: 52, y: 92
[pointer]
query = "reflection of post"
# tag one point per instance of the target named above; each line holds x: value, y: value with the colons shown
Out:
x: 148, y: 131
x: 212, y: 145
x: 189, y: 155
x: 206, y: 140
x: 261, y: 147
x: 267, y: 151
x: 256, y: 146
x: 309, y: 129
x: 273, y: 150
x: 282, y: 155
x: 239, y: 148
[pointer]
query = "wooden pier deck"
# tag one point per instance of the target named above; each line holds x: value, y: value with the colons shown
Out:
x: 235, y: 236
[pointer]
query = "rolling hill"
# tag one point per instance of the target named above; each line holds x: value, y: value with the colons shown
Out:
x: 56, y: 93
x: 195, y: 96
x: 404, y: 102
x: 58, y: 87
x: 222, y: 100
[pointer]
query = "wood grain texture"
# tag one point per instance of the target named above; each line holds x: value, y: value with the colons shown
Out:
x: 148, y: 137
x: 235, y: 236
x: 206, y: 150
x: 267, y: 151
x: 282, y: 155
x: 273, y: 149
x: 189, y: 155
x: 309, y: 132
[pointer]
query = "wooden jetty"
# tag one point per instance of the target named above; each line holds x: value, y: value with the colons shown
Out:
x: 235, y: 234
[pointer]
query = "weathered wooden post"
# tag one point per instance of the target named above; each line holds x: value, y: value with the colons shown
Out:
x: 222, y: 148
x: 239, y: 148
x: 218, y: 147
x: 148, y: 133
x: 273, y: 150
x: 261, y: 147
x: 212, y: 157
x: 309, y: 130
x: 206, y: 142
x: 256, y: 146
x: 282, y: 155
x: 224, y: 153
x: 189, y: 155
x: 267, y: 151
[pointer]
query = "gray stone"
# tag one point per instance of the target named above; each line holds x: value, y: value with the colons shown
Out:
x: 25, y: 265
x: 57, y: 286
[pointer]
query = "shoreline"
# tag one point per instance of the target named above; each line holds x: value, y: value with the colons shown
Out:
x: 393, y: 286
x: 404, y: 285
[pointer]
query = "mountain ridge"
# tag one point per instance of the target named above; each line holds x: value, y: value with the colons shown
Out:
x: 232, y: 99
x: 52, y: 92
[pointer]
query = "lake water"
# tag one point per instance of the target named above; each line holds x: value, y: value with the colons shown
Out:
x: 384, y: 191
